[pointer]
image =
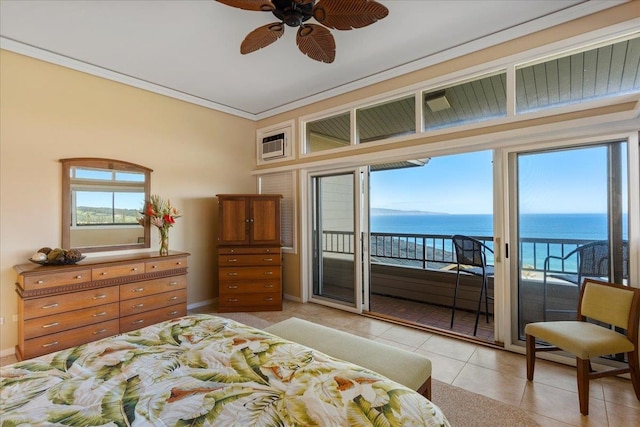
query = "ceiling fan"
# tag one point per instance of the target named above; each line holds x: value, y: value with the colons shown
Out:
x: 313, y: 40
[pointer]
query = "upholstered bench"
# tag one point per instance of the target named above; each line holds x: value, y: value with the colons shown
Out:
x: 409, y: 369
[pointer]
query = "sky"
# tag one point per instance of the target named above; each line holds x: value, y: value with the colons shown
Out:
x: 564, y: 181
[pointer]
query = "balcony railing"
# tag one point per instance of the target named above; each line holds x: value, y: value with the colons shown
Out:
x: 436, y: 251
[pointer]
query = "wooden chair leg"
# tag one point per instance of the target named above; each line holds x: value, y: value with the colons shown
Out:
x: 531, y: 356
x: 583, y: 385
x: 634, y: 370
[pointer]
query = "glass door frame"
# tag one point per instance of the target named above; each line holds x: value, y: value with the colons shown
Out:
x: 505, y: 166
x: 361, y: 229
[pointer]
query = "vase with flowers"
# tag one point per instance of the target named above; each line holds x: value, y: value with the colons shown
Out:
x: 162, y: 215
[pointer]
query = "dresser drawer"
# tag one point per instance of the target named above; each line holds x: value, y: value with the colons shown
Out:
x: 248, y: 250
x: 246, y: 260
x: 154, y: 286
x: 247, y: 287
x: 254, y: 273
x: 137, y: 321
x: 69, y: 320
x: 54, y: 342
x: 165, y: 264
x: 262, y: 299
x: 109, y: 272
x: 50, y: 280
x: 151, y: 302
x: 39, y: 307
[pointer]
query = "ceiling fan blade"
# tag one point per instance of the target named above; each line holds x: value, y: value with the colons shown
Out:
x: 348, y: 14
x: 259, y: 5
x: 316, y: 42
x: 261, y: 37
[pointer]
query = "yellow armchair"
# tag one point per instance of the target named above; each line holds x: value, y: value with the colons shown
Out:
x: 608, y: 303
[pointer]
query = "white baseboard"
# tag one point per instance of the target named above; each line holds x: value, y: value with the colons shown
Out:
x: 7, y: 352
x: 292, y: 298
x: 201, y: 303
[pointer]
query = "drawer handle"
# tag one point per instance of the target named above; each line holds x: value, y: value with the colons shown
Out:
x: 51, y: 344
x: 137, y: 322
x: 79, y: 276
x: 137, y: 290
x: 54, y: 305
x: 134, y: 269
x: 40, y: 282
x: 179, y: 263
x: 268, y: 272
x: 101, y: 296
x: 233, y: 300
x: 267, y: 259
x: 104, y: 273
x: 269, y: 299
x: 101, y: 331
x: 173, y: 283
x: 232, y: 260
x: 102, y: 313
x: 268, y: 286
x: 154, y: 266
x: 232, y: 287
x: 138, y: 305
x: 51, y: 325
x: 172, y: 313
x: 173, y: 298
x: 232, y: 274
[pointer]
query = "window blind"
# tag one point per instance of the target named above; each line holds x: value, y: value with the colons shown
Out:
x: 282, y: 183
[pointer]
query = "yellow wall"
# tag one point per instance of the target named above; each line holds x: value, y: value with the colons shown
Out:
x: 48, y: 112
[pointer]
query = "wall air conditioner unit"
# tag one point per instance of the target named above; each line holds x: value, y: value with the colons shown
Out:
x: 274, y: 146
x: 275, y: 143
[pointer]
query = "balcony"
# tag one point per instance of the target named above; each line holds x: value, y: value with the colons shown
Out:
x: 412, y: 279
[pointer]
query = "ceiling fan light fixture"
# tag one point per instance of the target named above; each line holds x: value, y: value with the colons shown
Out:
x: 293, y: 18
x: 437, y: 101
x: 313, y: 40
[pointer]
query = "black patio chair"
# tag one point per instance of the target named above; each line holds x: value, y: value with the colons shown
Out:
x: 471, y: 258
x: 592, y: 261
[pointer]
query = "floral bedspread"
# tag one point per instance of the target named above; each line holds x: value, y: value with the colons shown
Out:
x: 203, y: 370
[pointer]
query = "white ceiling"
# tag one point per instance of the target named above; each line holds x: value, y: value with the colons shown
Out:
x: 190, y: 49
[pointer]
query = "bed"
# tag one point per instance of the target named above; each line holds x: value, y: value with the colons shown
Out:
x: 203, y: 370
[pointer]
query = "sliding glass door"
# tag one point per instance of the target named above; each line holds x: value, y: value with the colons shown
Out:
x: 570, y: 211
x: 337, y: 225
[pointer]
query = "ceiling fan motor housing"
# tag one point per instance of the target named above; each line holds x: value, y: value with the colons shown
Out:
x: 292, y: 13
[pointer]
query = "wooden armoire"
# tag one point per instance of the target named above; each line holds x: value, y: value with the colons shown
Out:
x: 249, y: 252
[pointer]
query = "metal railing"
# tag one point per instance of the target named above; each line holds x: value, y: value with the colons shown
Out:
x: 436, y: 251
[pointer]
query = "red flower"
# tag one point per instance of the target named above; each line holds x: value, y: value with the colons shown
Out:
x: 150, y: 211
x: 169, y: 219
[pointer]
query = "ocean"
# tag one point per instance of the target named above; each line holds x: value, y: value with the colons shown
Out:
x: 555, y: 226
x: 549, y: 226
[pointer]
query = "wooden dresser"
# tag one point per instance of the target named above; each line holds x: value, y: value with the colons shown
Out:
x: 68, y: 305
x: 249, y: 253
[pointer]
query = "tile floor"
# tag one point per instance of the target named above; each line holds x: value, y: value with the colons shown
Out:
x: 551, y: 398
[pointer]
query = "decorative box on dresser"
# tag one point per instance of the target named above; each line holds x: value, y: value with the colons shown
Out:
x: 249, y: 252
x: 68, y: 305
